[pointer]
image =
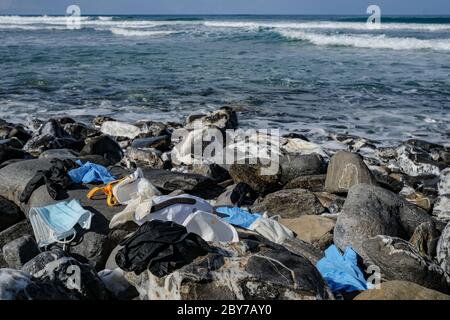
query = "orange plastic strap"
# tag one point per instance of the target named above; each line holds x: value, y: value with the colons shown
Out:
x: 107, y: 190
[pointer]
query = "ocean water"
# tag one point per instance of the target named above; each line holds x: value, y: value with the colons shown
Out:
x: 312, y: 74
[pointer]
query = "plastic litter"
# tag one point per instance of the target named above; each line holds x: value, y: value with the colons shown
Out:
x: 161, y: 247
x: 134, y: 186
x: 56, y: 222
x: 107, y: 190
x: 271, y: 230
x: 237, y: 216
x: 267, y: 227
x: 341, y: 272
x: 90, y: 173
x: 210, y: 227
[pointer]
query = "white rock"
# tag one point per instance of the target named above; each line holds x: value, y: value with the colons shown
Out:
x: 300, y: 146
x: 120, y: 129
x: 443, y: 249
x: 12, y: 282
x: 444, y: 182
x: 441, y: 208
x: 412, y: 168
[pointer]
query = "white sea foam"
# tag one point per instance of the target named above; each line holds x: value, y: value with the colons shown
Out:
x: 139, y: 33
x: 36, y: 20
x: 30, y: 28
x: 367, y: 41
x: 234, y: 24
x: 327, y: 25
x: 92, y: 21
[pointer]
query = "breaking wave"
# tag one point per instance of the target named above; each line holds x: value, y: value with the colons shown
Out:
x: 139, y: 33
x: 328, y: 25
x: 367, y: 41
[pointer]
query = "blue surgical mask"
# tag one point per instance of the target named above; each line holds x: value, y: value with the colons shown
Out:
x: 56, y: 222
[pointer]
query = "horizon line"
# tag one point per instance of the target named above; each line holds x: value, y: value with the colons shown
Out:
x: 233, y: 14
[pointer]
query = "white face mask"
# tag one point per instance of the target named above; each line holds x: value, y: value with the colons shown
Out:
x: 46, y: 235
x: 56, y: 222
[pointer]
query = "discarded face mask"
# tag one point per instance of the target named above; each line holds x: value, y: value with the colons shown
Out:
x: 90, y: 173
x: 341, y: 272
x: 271, y: 229
x: 56, y: 222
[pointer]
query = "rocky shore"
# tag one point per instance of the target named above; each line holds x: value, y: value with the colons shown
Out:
x: 391, y: 205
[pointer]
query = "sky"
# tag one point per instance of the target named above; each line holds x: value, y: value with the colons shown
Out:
x: 405, y: 7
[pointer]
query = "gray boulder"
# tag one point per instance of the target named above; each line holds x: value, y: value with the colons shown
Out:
x: 401, y: 290
x: 9, y: 131
x: 103, y: 146
x: 59, y: 154
x: 80, y: 131
x: 332, y: 202
x: 19, y: 251
x: 16, y: 231
x: 346, y: 170
x: 16, y: 176
x: 194, y: 184
x: 314, y: 183
x: 148, y: 157
x: 161, y: 143
x: 441, y: 208
x: 370, y: 211
x: 224, y: 118
x: 291, y: 203
x: 236, y: 195
x: 443, y: 249
x: 10, y: 214
x: 80, y: 280
x: 425, y: 239
x: 20, y: 285
x: 298, y: 165
x: 399, y: 260
x: 415, y: 161
x: 51, y: 136
x: 8, y: 154
x: 240, y: 271
x: 212, y: 171
x: 252, y: 175
x: 155, y: 129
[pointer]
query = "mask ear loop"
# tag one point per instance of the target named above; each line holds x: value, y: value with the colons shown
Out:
x: 64, y: 242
